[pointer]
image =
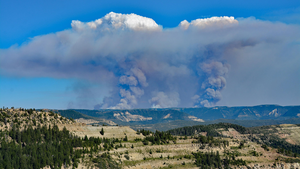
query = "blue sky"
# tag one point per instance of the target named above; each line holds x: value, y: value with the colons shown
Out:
x: 22, y: 20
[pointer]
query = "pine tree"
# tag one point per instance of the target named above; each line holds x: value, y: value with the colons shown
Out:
x: 102, y: 131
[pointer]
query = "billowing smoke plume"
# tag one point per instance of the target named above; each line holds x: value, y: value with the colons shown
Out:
x: 215, y: 73
x: 140, y: 63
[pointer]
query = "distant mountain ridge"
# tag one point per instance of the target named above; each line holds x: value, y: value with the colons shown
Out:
x: 72, y: 114
x: 261, y: 112
x: 140, y: 116
x: 182, y: 123
x: 268, y: 114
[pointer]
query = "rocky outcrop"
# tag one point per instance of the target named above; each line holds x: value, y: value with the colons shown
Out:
x: 130, y: 117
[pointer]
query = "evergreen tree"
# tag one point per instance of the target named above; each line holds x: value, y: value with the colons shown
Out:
x: 102, y: 131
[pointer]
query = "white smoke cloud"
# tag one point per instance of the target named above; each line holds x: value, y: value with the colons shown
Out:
x: 143, y: 65
x: 129, y: 80
x: 213, y: 22
x: 115, y: 21
x: 128, y: 100
x: 140, y: 76
x: 136, y: 78
x: 137, y: 91
x: 163, y: 100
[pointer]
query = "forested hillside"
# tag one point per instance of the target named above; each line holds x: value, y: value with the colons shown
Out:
x: 210, y: 129
x: 35, y: 139
x: 31, y: 139
x: 265, y: 135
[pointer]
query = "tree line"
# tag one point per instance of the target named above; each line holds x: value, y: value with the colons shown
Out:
x: 209, y: 129
x: 208, y: 160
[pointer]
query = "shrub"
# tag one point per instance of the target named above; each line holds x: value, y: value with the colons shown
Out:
x: 127, y: 157
x: 265, y: 147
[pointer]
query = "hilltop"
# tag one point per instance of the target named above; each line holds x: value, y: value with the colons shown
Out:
x: 23, y: 118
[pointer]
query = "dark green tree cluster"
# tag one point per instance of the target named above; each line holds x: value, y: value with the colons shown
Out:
x: 46, y: 146
x: 3, y: 117
x: 210, y: 129
x: 286, y: 152
x: 291, y: 160
x: 282, y: 145
x: 29, y: 111
x: 208, y: 160
x: 105, y: 161
x: 211, y: 141
x: 144, y: 132
x: 265, y: 147
x: 110, y: 144
x: 263, y: 129
x: 37, y: 148
x: 213, y: 160
x: 267, y: 136
x: 160, y: 137
x: 125, y: 138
